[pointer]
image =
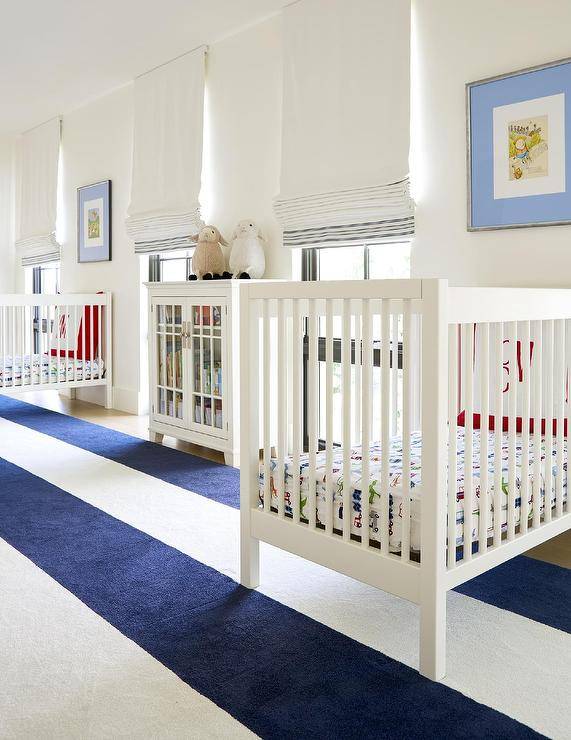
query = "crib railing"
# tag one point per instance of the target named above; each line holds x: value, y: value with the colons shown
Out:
x: 508, y: 418
x: 341, y: 372
x: 339, y: 364
x: 50, y: 341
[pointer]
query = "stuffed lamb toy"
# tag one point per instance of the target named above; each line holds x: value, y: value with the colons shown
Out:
x: 247, y: 255
x: 208, y: 259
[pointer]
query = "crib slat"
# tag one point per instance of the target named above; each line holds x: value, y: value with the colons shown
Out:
x: 32, y: 348
x: 84, y: 329
x: 76, y: 329
x: 483, y: 504
x: 385, y: 424
x: 357, y: 382
x: 537, y: 393
x: 526, y: 414
x: 58, y: 342
x: 23, y: 341
x: 548, y: 465
x: 512, y: 406
x: 468, y: 386
x: 5, y: 344
x: 49, y: 340
x: 498, y: 426
x: 407, y: 348
x: 559, y: 389
x: 567, y: 408
x: 266, y: 396
x: 282, y: 398
x: 452, y: 440
x: 366, y: 399
x: 99, y: 341
x: 66, y: 327
x: 329, y: 414
x: 13, y: 345
x: 346, y: 375
x: 312, y: 413
x: 91, y: 309
x: 296, y: 405
x: 395, y: 375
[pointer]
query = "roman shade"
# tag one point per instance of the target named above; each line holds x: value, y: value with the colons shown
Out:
x: 346, y: 120
x: 164, y: 212
x: 37, y: 157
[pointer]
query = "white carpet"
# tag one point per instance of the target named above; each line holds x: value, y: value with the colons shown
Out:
x: 506, y: 661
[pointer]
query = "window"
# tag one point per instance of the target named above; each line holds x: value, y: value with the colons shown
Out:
x: 168, y: 268
x: 46, y: 278
x: 357, y: 263
x: 348, y: 263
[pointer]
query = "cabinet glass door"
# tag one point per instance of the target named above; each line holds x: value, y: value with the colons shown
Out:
x: 169, y: 392
x: 207, y: 352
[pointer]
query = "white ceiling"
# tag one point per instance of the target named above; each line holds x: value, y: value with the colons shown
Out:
x: 57, y: 54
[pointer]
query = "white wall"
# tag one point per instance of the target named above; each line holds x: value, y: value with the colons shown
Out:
x: 7, y: 260
x: 97, y: 145
x: 458, y: 42
x: 243, y: 147
x: 241, y: 178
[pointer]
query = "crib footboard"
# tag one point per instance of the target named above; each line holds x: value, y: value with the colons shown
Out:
x: 331, y: 375
x: 56, y: 342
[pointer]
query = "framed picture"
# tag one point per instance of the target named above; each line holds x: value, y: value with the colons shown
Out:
x: 94, y: 222
x: 518, y: 136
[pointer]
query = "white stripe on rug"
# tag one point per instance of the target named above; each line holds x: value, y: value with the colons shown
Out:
x: 501, y: 659
x: 67, y: 673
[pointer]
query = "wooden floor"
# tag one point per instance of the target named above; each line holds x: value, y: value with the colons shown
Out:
x: 557, y: 550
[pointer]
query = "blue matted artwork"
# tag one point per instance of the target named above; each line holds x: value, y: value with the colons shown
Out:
x: 519, y: 162
x: 94, y: 222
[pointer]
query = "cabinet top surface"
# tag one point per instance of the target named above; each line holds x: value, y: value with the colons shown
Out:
x: 205, y: 283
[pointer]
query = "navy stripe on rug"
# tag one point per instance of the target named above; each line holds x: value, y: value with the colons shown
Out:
x: 528, y: 587
x: 278, y: 672
x: 210, y: 479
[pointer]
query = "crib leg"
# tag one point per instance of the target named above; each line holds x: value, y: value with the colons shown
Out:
x: 249, y: 554
x: 433, y: 634
x: 108, y: 396
x: 156, y: 437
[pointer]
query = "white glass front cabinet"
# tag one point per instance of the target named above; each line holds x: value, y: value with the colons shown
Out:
x: 207, y: 350
x: 169, y: 386
x: 190, y: 370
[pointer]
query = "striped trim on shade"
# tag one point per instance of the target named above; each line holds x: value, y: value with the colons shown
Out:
x: 164, y: 233
x: 372, y: 215
x: 164, y: 245
x: 38, y: 250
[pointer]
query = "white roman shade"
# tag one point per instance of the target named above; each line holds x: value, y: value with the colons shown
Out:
x: 164, y: 212
x: 37, y: 158
x: 346, y: 121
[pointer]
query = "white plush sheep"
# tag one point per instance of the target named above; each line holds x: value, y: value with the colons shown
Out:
x: 247, y: 254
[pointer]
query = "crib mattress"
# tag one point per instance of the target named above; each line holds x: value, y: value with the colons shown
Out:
x: 42, y: 368
x: 396, y: 489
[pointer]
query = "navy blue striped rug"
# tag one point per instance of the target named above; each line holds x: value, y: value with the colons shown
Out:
x: 278, y: 672
x: 525, y: 586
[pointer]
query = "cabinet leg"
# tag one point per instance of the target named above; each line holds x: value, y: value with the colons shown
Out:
x: 231, y: 459
x: 156, y: 437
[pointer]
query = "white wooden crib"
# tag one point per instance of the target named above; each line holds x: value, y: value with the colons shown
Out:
x: 414, y: 367
x: 51, y: 342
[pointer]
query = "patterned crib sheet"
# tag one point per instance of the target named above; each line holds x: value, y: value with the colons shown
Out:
x: 396, y: 489
x: 45, y: 369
